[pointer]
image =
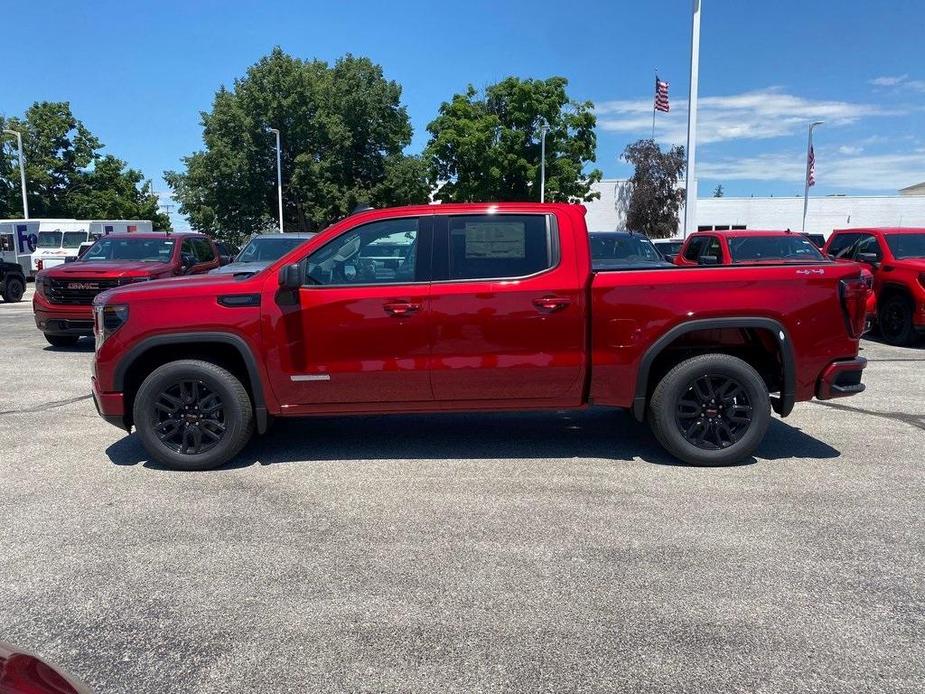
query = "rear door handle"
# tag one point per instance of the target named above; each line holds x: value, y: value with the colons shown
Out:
x: 551, y: 304
x: 401, y: 308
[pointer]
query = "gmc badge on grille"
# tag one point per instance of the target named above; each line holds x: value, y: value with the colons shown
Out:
x: 83, y: 285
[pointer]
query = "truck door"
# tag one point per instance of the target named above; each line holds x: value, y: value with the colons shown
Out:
x: 359, y: 331
x: 508, y: 311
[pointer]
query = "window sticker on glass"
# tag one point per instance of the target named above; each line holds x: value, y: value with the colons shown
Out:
x: 495, y: 240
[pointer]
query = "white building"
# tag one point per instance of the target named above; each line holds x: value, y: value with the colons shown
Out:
x: 823, y: 215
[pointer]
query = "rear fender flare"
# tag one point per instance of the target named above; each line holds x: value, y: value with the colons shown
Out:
x: 788, y: 393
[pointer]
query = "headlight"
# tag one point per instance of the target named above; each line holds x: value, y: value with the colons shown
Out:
x: 42, y: 283
x: 106, y: 320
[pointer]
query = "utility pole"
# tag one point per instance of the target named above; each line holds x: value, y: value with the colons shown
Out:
x: 279, y: 177
x: 22, y: 171
x: 809, y: 150
x: 690, y: 182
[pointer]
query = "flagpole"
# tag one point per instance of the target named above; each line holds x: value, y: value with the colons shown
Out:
x: 809, y: 148
x: 690, y: 182
x: 654, y: 99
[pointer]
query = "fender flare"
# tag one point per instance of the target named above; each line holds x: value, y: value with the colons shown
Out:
x: 788, y: 391
x: 250, y: 363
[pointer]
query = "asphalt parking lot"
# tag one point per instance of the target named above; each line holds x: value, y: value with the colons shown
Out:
x: 460, y: 553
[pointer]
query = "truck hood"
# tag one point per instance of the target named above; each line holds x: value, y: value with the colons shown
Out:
x: 108, y: 270
x: 247, y: 268
x: 178, y: 288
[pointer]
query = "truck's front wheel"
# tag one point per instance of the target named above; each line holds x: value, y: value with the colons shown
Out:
x: 712, y: 409
x: 13, y: 289
x: 193, y: 415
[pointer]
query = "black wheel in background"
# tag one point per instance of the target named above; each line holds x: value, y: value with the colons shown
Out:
x: 13, y: 289
x: 61, y: 340
x: 894, y: 318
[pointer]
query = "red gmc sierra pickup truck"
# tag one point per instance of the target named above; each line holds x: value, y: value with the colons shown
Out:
x: 64, y: 294
x: 473, y: 307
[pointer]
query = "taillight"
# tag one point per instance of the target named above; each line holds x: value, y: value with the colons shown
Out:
x: 853, y: 293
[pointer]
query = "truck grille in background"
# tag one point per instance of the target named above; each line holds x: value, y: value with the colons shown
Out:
x: 79, y: 292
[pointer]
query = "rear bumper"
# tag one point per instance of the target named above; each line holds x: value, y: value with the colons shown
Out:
x: 109, y: 406
x: 841, y: 379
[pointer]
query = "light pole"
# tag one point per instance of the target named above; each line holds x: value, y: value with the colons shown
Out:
x: 809, y: 150
x: 690, y: 182
x: 22, y: 172
x: 279, y: 177
x: 544, y: 128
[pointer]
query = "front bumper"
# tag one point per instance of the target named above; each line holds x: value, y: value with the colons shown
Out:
x: 63, y: 320
x: 841, y: 379
x: 109, y: 406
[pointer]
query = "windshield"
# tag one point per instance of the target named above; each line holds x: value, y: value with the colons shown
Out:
x: 143, y: 250
x: 623, y: 248
x: 73, y: 239
x: 793, y: 247
x: 49, y: 239
x: 267, y: 248
x: 906, y: 245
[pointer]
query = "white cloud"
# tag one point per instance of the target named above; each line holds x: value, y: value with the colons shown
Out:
x: 901, y: 81
x: 880, y: 172
x: 850, y: 149
x: 887, y: 81
x: 754, y: 115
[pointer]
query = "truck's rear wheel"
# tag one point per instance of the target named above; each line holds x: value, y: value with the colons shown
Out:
x: 193, y: 415
x: 713, y: 409
x: 61, y: 340
x: 13, y: 289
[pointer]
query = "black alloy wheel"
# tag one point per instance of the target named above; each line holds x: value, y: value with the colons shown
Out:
x: 714, y: 412
x: 895, y: 321
x: 13, y: 290
x: 190, y: 418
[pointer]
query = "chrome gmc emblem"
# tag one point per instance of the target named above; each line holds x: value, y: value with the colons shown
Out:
x: 83, y: 285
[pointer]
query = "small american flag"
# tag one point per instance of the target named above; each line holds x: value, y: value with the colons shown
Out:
x: 661, y: 95
x: 811, y: 167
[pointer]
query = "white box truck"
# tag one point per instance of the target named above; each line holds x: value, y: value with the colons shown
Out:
x: 56, y: 246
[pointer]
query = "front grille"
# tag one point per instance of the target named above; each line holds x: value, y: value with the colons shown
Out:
x: 77, y: 291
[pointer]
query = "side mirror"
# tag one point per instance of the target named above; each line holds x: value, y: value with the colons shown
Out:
x: 290, y: 276
x: 708, y: 260
x: 187, y: 260
x: 869, y: 258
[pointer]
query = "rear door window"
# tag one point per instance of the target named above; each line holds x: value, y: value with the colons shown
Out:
x: 203, y: 251
x: 500, y: 246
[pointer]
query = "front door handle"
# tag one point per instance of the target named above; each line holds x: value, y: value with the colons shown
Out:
x: 401, y: 308
x: 551, y: 304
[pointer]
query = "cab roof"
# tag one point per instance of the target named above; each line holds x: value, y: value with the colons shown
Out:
x: 881, y: 230
x: 152, y: 234
x: 750, y: 232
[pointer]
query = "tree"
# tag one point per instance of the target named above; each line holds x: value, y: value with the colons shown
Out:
x: 655, y: 196
x: 66, y: 175
x: 343, y: 129
x: 718, y: 192
x: 487, y: 146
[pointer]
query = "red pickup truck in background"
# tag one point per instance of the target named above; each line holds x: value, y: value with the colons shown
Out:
x: 741, y: 246
x: 64, y: 293
x: 896, y: 257
x: 473, y: 307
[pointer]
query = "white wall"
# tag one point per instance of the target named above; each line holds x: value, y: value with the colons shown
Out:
x: 824, y: 213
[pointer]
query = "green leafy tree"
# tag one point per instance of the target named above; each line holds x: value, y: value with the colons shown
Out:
x: 66, y: 175
x: 655, y: 198
x: 343, y: 129
x: 487, y: 146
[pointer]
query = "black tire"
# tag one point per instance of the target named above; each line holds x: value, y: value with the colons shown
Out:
x: 13, y: 289
x: 894, y: 318
x: 212, y: 403
x: 62, y: 340
x: 679, y: 415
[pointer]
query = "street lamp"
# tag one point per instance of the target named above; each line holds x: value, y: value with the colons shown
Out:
x: 809, y: 149
x: 279, y: 177
x: 22, y: 172
x: 544, y: 128
x: 690, y: 181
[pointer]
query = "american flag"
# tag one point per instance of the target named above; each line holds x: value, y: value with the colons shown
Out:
x: 811, y: 167
x: 661, y: 95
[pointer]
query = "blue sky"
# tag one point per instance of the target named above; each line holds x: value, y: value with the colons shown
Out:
x: 138, y: 74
